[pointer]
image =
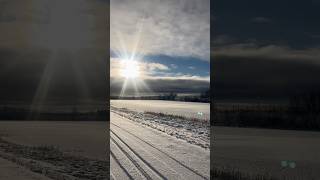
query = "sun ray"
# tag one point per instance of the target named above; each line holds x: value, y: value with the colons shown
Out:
x: 124, y: 87
x: 43, y: 87
x: 130, y: 70
x: 137, y: 42
x: 136, y: 89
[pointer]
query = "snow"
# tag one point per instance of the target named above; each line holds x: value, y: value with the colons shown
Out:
x: 10, y: 170
x: 194, y: 131
x: 72, y: 149
x: 86, y: 138
x: 262, y: 151
x: 186, y: 109
x: 141, y: 152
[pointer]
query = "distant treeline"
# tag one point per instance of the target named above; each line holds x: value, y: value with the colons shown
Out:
x: 203, y: 97
x: 301, y: 113
x: 7, y: 113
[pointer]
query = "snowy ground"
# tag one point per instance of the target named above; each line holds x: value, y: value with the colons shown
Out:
x: 284, y: 154
x: 142, y: 152
x: 12, y: 171
x: 186, y: 109
x: 58, y: 150
x: 194, y: 131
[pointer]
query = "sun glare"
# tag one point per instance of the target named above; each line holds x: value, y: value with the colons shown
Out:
x: 130, y: 69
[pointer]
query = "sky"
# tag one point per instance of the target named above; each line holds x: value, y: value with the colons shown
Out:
x: 169, y: 40
x: 53, y: 53
x: 265, y: 50
x: 56, y: 53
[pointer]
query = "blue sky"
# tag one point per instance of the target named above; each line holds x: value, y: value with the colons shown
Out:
x: 184, y: 65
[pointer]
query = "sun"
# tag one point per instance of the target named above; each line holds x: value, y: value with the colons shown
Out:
x: 129, y: 69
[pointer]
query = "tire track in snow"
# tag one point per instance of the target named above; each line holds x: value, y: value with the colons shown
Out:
x: 126, y: 163
x: 140, y: 158
x: 152, y: 160
x: 157, y: 149
x: 134, y: 162
x: 120, y: 165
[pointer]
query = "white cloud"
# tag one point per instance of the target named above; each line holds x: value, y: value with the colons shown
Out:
x: 158, y: 66
x: 174, y: 28
x: 146, y: 70
x: 183, y: 77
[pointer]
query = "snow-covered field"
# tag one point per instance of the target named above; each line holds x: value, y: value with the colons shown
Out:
x: 186, y: 109
x: 12, y: 171
x: 194, y: 131
x: 285, y: 154
x: 153, y: 139
x: 142, y: 152
x: 56, y: 149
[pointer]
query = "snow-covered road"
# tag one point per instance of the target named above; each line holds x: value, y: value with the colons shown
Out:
x: 139, y: 152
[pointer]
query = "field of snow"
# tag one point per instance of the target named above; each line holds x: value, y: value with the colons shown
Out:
x: 12, y: 171
x: 186, y: 109
x: 285, y: 154
x: 59, y: 149
x: 194, y: 131
x: 141, y: 152
x: 153, y: 139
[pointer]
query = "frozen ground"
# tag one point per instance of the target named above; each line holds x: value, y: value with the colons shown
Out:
x: 141, y: 152
x: 57, y: 149
x: 262, y: 151
x: 186, y: 109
